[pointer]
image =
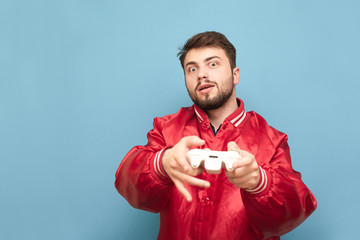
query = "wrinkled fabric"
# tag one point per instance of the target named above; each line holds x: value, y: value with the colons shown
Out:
x: 221, y: 211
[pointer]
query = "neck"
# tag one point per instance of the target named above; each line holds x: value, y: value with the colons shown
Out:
x: 217, y: 116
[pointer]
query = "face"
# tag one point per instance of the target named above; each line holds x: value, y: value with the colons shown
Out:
x: 209, y: 79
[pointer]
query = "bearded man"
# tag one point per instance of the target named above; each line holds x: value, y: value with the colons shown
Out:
x: 261, y: 198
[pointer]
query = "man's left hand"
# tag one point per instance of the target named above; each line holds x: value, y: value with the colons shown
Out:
x: 246, y: 173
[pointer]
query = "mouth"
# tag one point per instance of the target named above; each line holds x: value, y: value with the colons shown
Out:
x: 205, y: 87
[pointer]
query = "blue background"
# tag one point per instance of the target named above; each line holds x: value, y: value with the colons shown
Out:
x: 81, y: 81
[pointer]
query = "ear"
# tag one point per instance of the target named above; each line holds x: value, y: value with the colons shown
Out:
x: 236, y: 75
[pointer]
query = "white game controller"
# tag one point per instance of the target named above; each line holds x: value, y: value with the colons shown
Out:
x: 213, y: 160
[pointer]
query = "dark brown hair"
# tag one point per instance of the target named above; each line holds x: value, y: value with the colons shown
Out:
x: 208, y: 39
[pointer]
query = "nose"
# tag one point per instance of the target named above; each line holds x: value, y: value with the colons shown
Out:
x: 202, y: 74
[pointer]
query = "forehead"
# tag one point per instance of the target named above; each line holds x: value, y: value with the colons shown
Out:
x: 198, y: 55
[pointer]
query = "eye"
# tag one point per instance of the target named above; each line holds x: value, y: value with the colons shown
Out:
x: 213, y: 64
x: 192, y: 69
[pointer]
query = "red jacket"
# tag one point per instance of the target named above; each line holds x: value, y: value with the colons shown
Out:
x: 278, y: 205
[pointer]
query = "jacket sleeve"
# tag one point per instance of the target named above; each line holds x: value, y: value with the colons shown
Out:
x: 284, y: 202
x: 140, y: 178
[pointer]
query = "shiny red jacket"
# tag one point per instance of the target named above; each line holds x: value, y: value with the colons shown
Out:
x: 279, y: 204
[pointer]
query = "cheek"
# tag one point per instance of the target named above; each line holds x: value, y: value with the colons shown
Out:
x: 189, y: 84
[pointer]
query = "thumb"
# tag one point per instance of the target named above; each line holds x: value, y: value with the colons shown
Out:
x: 193, y: 141
x: 232, y: 146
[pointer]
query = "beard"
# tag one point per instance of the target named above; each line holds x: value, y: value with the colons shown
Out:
x: 212, y: 103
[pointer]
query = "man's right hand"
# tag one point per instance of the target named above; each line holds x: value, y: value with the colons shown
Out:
x: 177, y: 166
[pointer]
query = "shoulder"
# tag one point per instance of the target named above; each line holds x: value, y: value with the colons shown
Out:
x: 261, y: 126
x: 183, y: 115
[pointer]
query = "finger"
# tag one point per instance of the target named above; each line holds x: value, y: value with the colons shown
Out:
x: 184, y: 163
x: 236, y: 173
x: 193, y: 141
x: 185, y: 145
x: 196, y: 171
x: 244, y: 182
x: 194, y: 181
x: 244, y: 177
x: 239, y: 170
x: 246, y: 162
x: 232, y: 146
x: 182, y: 189
x: 240, y: 179
x: 242, y: 168
x: 187, y: 168
x: 179, y: 183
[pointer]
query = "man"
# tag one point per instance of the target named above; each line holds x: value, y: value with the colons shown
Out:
x: 262, y: 198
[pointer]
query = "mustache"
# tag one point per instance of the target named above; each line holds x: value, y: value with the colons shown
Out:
x: 205, y: 81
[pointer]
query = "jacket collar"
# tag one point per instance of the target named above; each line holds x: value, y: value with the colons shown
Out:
x: 235, y: 118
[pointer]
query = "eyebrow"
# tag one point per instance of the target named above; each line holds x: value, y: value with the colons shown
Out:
x: 206, y: 60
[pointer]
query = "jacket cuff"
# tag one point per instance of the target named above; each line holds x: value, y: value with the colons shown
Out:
x: 157, y: 169
x: 262, y: 185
